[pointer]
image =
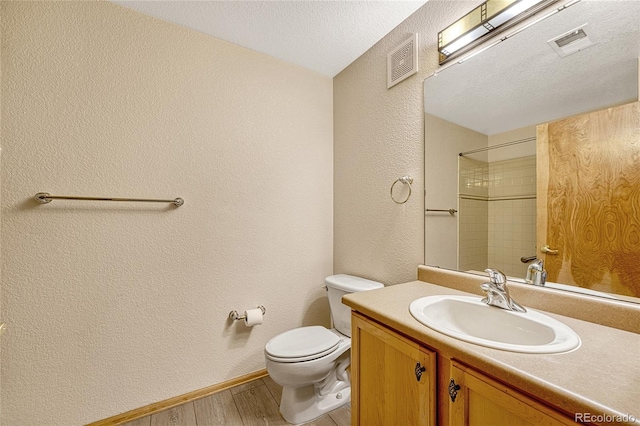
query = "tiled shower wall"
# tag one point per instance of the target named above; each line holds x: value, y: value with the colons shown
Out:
x: 473, y: 220
x: 473, y: 244
x: 497, y: 214
x: 512, y: 214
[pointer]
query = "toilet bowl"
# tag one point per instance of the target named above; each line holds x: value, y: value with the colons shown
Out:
x: 310, y: 363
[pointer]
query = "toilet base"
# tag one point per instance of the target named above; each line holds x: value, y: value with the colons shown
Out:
x: 303, y: 404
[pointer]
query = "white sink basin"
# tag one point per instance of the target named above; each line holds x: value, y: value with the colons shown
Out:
x: 467, y: 318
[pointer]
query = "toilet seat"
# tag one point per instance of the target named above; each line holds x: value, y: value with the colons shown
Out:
x: 302, y: 344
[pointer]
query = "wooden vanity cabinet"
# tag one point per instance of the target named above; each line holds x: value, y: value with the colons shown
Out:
x: 394, y: 382
x: 480, y: 400
x: 393, y: 379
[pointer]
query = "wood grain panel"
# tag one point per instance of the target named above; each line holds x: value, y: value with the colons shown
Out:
x: 321, y: 421
x: 182, y: 415
x: 385, y: 390
x: 257, y: 407
x: 274, y: 388
x: 144, y: 421
x: 355, y: 369
x: 372, y: 379
x: 482, y: 401
x: 483, y: 411
x: 589, y: 183
x: 342, y: 415
x: 443, y: 370
x: 246, y: 386
x: 217, y: 409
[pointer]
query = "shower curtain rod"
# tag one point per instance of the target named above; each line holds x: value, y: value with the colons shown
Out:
x: 502, y: 145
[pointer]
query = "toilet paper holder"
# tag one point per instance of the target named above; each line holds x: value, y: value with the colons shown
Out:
x: 234, y: 315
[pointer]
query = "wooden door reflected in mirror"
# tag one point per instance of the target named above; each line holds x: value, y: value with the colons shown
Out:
x: 589, y: 199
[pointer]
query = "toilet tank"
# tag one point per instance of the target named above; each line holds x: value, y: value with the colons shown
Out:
x: 338, y: 286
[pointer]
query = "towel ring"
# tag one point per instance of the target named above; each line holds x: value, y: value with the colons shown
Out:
x: 407, y: 180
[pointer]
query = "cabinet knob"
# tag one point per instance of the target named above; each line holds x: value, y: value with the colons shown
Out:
x: 419, y: 370
x: 453, y: 390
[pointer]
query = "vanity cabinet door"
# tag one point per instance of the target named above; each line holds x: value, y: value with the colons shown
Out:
x: 481, y: 401
x: 393, y: 378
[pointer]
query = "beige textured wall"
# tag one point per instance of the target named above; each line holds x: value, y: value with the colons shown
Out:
x: 114, y: 306
x: 443, y: 142
x: 378, y: 137
x: 513, y: 151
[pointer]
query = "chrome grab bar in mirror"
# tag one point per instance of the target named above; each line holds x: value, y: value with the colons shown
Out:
x: 450, y: 211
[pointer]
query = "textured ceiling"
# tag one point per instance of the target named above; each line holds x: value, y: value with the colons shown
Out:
x: 522, y: 81
x: 323, y: 36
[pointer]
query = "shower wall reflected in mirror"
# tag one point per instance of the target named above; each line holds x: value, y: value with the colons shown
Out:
x: 497, y: 204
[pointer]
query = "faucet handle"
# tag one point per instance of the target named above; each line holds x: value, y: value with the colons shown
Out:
x: 496, y: 276
x: 498, y: 293
x: 536, y: 274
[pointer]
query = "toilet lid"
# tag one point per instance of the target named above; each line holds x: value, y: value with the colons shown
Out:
x: 302, y: 342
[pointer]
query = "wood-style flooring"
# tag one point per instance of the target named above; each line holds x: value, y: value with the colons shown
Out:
x: 250, y: 404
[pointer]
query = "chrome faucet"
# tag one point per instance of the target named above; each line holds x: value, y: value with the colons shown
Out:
x: 498, y: 292
x: 536, y: 274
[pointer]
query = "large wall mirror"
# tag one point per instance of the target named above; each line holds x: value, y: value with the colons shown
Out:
x: 538, y: 153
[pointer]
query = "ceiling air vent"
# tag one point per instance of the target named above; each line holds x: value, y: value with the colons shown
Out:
x: 573, y: 41
x: 402, y: 62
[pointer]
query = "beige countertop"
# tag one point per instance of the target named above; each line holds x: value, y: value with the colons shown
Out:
x: 601, y: 377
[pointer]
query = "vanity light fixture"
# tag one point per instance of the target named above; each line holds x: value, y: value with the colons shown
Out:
x: 490, y: 18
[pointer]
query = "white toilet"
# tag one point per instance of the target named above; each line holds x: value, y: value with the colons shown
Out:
x: 310, y: 363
